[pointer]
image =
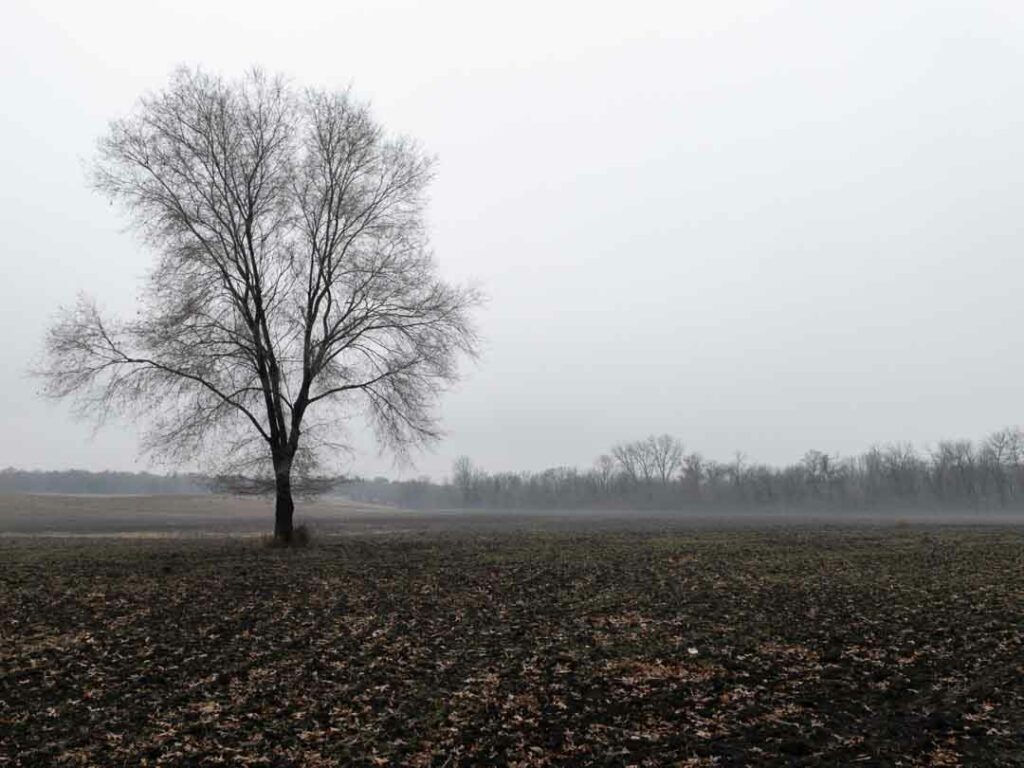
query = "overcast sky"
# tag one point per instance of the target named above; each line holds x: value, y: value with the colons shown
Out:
x: 765, y: 226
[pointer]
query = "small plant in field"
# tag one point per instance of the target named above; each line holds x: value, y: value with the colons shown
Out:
x: 302, y: 537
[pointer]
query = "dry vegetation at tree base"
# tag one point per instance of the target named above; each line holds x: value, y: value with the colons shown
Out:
x: 786, y: 647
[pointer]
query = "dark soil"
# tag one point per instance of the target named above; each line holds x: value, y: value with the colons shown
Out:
x: 787, y: 647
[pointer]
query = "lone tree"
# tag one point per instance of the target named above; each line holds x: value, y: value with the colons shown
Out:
x: 293, y: 283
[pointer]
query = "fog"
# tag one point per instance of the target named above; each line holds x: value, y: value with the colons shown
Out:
x: 765, y: 227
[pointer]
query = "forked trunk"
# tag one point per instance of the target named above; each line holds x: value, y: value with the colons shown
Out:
x: 284, y: 507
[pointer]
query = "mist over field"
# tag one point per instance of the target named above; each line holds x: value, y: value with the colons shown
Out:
x: 448, y: 384
x: 762, y: 229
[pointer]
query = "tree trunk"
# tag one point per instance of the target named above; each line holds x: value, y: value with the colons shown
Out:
x: 284, y: 507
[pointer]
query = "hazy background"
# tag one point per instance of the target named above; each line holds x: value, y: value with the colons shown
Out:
x: 757, y: 226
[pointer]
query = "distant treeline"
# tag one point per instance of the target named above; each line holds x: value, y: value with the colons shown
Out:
x: 79, y: 481
x: 654, y: 473
x: 657, y: 473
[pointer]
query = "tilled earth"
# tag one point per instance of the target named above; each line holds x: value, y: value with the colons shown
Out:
x: 787, y: 647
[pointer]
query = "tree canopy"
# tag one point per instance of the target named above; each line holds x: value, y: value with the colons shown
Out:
x: 293, y: 286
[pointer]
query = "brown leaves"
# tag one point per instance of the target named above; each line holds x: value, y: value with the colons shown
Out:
x: 832, y: 648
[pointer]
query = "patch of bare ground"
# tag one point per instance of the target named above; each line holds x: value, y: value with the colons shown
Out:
x: 728, y: 648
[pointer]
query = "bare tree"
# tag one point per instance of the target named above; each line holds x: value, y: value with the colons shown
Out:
x: 654, y: 458
x: 903, y: 469
x: 1001, y: 455
x: 1006, y: 446
x: 293, y: 283
x: 632, y: 461
x: 666, y: 456
x: 464, y: 477
x: 604, y: 469
x: 694, y: 471
x: 737, y: 470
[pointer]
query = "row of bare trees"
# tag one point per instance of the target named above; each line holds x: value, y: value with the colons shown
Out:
x: 80, y: 481
x: 657, y: 472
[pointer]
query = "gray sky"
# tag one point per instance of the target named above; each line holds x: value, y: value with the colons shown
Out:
x: 766, y: 226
